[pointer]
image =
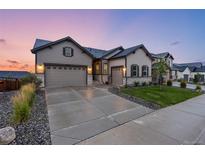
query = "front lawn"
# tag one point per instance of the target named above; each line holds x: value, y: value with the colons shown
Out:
x: 165, y: 97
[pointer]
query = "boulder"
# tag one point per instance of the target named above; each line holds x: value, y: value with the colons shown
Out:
x: 7, y: 135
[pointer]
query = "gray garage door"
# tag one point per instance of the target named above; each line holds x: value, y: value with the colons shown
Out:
x: 62, y: 76
x: 117, y: 75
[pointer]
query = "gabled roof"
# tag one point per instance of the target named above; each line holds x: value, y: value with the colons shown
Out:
x: 113, y: 50
x: 195, y: 64
x: 50, y: 43
x: 40, y: 42
x: 202, y: 69
x: 97, y: 53
x: 13, y: 74
x: 194, y: 67
x: 162, y: 55
x: 130, y: 50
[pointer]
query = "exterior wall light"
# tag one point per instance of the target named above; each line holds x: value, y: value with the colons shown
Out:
x: 89, y: 70
x: 40, y: 68
x: 124, y: 71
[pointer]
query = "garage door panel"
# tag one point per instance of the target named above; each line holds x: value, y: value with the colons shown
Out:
x: 117, y: 76
x: 62, y: 76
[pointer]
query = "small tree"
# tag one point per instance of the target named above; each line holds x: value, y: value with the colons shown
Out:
x: 197, y: 78
x: 160, y: 69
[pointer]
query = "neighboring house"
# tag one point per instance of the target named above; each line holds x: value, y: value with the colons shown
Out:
x: 187, y: 71
x: 66, y: 63
x: 13, y: 74
x: 168, y: 58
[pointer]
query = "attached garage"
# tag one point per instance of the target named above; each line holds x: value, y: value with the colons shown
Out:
x: 65, y: 75
x: 117, y: 75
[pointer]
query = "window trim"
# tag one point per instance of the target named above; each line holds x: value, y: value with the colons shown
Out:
x: 65, y: 50
x: 146, y: 69
x: 136, y: 70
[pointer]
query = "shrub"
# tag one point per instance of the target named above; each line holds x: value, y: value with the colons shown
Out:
x: 144, y: 83
x: 32, y: 78
x: 150, y: 83
x: 169, y: 83
x: 22, y: 103
x: 183, y: 84
x: 198, y: 88
x: 21, y: 109
x: 136, y: 83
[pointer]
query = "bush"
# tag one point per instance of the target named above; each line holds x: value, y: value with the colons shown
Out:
x: 150, y: 83
x: 144, y: 83
x: 169, y: 83
x: 183, y: 84
x: 198, y: 88
x: 22, y: 103
x: 136, y: 83
x: 32, y: 78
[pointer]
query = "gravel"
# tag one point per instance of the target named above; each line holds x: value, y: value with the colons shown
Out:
x: 33, y: 132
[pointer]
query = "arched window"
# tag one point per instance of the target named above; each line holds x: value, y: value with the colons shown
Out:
x: 145, y: 71
x: 134, y: 70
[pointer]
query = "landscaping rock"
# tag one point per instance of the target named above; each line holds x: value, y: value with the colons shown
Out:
x: 7, y: 135
x: 36, y: 130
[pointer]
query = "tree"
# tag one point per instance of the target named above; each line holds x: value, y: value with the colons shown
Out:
x: 197, y: 78
x: 160, y: 69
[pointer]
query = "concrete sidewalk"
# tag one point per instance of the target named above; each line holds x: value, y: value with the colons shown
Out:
x: 183, y: 123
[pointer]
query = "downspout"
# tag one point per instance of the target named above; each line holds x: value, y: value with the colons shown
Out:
x: 126, y: 70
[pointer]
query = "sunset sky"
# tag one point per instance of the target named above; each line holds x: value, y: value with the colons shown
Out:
x: 180, y: 32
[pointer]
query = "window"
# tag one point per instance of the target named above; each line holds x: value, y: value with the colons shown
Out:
x: 134, y: 70
x: 67, y: 51
x: 97, y: 68
x: 105, y: 68
x: 145, y: 71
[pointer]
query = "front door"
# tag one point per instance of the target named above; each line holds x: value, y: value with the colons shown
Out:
x: 117, y: 75
x: 186, y: 77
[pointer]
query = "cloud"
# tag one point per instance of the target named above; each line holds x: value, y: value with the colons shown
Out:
x: 13, y: 62
x: 2, y: 40
x: 25, y: 66
x: 175, y: 43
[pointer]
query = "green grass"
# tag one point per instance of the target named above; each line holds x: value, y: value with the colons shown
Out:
x: 165, y: 97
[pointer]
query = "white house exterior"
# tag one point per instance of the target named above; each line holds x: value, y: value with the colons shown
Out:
x: 187, y: 71
x: 66, y: 63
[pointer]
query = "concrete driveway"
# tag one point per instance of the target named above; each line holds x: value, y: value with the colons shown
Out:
x: 183, y: 123
x: 77, y: 114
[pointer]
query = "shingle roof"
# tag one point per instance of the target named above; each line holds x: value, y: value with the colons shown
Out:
x: 202, y: 69
x: 40, y: 42
x: 68, y: 38
x: 195, y: 64
x: 97, y: 53
x: 13, y: 74
x: 127, y: 51
x: 194, y: 67
x: 161, y: 55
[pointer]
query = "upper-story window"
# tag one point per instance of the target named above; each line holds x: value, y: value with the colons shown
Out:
x: 134, y: 70
x: 145, y: 71
x: 68, y: 51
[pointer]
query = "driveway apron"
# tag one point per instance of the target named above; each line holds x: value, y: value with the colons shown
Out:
x: 79, y: 113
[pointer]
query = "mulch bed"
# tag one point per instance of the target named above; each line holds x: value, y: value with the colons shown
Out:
x: 33, y: 132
